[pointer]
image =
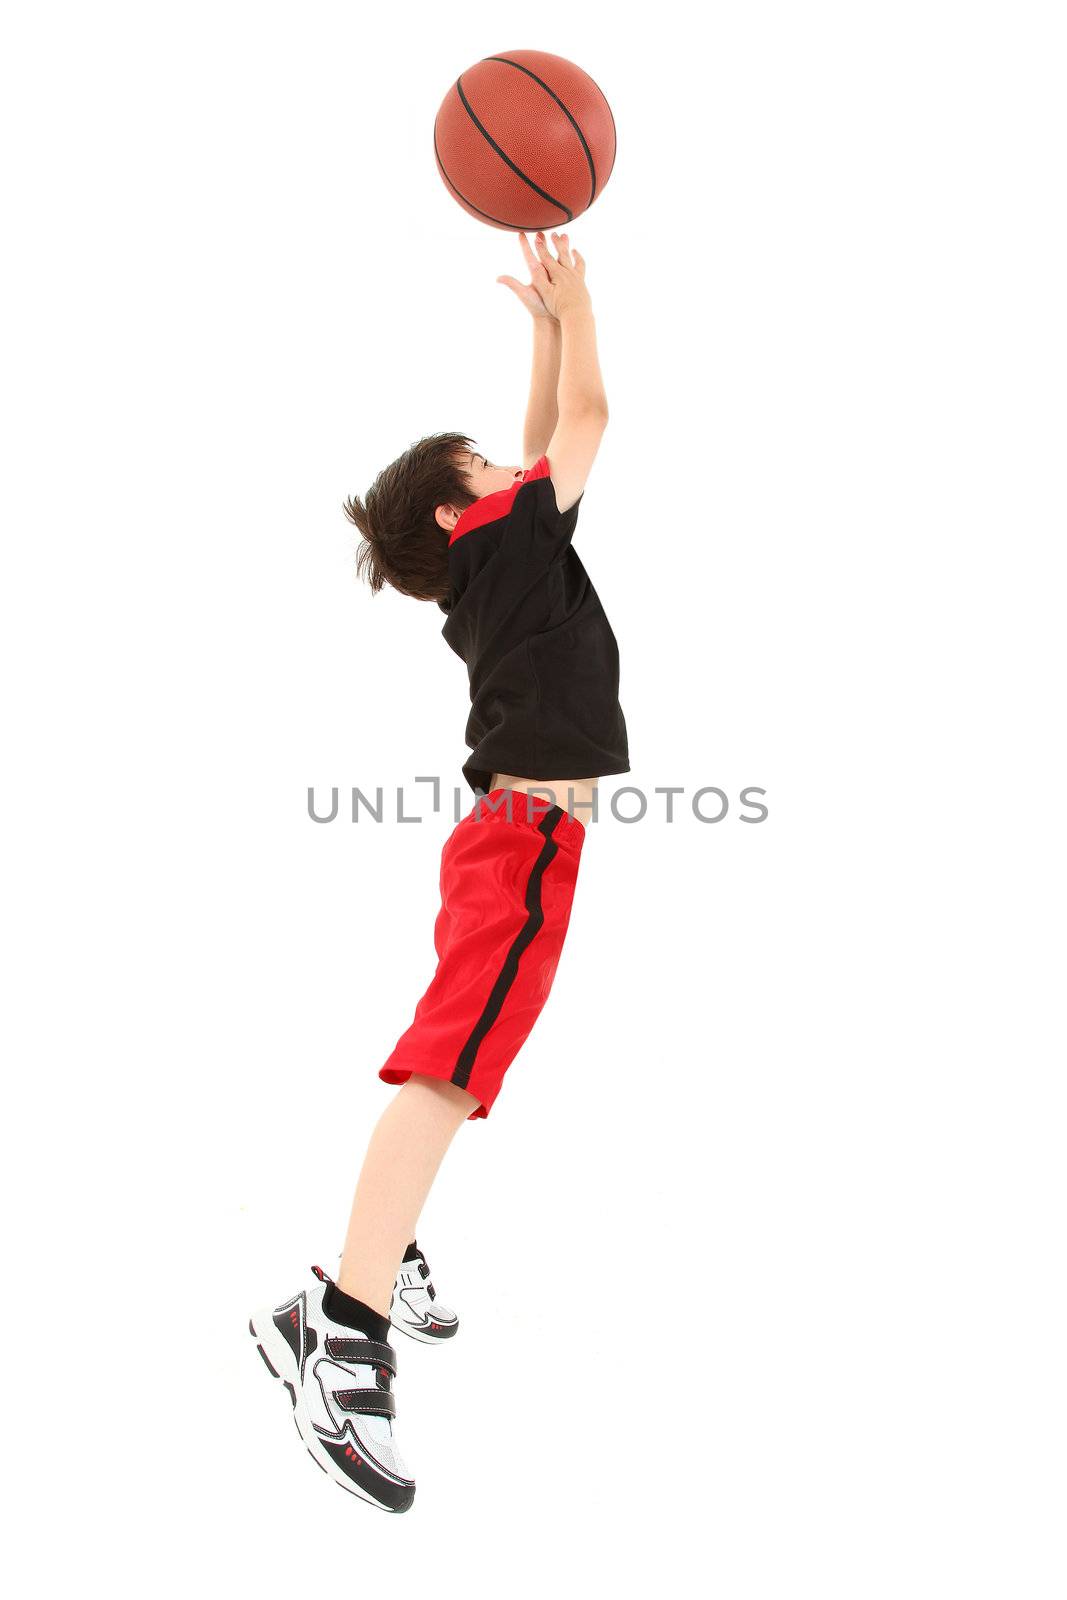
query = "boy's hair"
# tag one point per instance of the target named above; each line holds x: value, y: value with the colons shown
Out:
x: 403, y: 544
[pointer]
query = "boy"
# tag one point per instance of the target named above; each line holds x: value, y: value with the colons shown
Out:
x: 492, y: 545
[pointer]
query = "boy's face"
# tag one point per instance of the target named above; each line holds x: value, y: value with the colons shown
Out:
x: 485, y: 477
x: 482, y: 477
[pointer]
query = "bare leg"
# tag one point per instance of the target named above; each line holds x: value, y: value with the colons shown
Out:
x: 405, y: 1151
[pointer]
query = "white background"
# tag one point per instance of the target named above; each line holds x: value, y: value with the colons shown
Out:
x: 759, y: 1258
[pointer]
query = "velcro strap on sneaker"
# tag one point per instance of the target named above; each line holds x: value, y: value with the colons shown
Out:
x: 372, y: 1352
x: 369, y: 1402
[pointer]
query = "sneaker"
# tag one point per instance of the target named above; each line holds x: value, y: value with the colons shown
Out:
x: 338, y: 1379
x: 415, y: 1308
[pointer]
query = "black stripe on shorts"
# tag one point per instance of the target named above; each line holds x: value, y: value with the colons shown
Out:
x: 535, y: 920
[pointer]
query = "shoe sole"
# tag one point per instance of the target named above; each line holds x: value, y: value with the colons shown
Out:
x: 280, y: 1362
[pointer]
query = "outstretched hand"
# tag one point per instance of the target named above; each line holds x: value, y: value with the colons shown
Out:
x: 552, y: 281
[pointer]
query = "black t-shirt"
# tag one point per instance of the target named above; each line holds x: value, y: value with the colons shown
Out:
x: 542, y: 660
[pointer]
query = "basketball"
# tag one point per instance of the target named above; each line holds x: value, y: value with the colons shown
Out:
x: 525, y: 140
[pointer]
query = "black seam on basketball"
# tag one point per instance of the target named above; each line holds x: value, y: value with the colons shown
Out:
x: 614, y: 128
x: 517, y: 227
x: 507, y: 62
x: 536, y: 187
x: 535, y: 921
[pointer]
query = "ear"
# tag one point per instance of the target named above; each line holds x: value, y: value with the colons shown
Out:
x: 447, y: 517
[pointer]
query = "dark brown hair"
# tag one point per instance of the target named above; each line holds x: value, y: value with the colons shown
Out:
x: 403, y: 544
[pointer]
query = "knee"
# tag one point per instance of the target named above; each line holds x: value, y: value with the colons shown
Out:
x: 459, y: 1101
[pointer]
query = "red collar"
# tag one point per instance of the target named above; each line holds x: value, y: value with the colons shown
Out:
x: 493, y: 506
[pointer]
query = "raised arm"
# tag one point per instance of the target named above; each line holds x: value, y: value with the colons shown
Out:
x: 581, y: 398
x: 568, y: 408
x: 541, y: 409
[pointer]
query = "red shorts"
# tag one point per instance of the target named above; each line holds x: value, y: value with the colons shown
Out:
x: 508, y: 872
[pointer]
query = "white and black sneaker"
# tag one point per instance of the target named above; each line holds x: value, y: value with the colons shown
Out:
x: 332, y: 1354
x: 415, y: 1308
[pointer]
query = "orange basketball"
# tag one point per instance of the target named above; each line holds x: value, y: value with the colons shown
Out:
x: 525, y: 140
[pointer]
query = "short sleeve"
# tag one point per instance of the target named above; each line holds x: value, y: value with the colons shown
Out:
x: 538, y: 515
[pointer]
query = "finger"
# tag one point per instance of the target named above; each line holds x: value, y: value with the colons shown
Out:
x: 524, y: 292
x: 531, y: 259
x: 563, y: 248
x: 547, y: 258
x: 579, y: 262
